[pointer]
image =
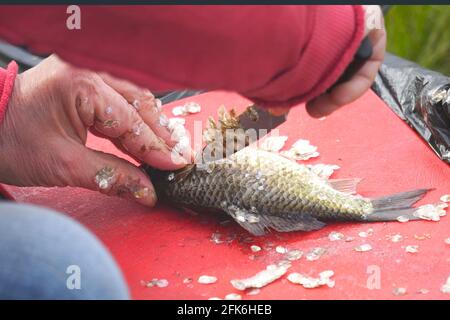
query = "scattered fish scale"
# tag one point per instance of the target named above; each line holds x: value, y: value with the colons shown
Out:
x: 365, y: 234
x: 311, y: 282
x: 335, y: 236
x: 446, y: 286
x: 281, y: 249
x: 301, y: 150
x: 399, y: 291
x: 431, y: 212
x: 204, y: 279
x: 442, y: 205
x: 273, y: 144
x: 315, y: 253
x: 423, y: 291
x: 395, y: 237
x: 293, y: 255
x: 412, y: 249
x: 363, y: 248
x: 187, y: 108
x: 422, y: 237
x: 233, y: 296
x: 253, y: 292
x: 323, y: 170
x: 262, y: 278
x: 160, y: 283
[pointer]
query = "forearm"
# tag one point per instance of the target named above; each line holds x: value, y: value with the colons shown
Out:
x: 272, y: 54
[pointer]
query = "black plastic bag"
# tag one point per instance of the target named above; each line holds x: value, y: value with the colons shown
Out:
x: 420, y: 97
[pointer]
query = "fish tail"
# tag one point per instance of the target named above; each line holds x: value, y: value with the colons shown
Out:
x: 391, y: 207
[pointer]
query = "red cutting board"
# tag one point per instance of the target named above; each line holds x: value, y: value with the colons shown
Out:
x: 366, y: 139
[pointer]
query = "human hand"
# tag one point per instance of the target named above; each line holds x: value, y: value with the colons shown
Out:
x: 43, y: 135
x: 362, y: 78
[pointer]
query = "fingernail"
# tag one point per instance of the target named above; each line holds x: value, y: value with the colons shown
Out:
x: 146, y: 196
x: 141, y: 192
x: 176, y: 158
x: 134, y: 187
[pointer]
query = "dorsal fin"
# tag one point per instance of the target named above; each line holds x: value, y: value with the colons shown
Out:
x: 347, y: 186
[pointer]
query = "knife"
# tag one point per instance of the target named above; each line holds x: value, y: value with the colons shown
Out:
x: 261, y: 120
x: 257, y: 118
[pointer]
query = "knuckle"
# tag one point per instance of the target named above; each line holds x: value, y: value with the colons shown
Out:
x: 85, y: 81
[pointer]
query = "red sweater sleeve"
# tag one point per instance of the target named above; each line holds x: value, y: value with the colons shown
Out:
x: 272, y: 54
x: 7, y: 77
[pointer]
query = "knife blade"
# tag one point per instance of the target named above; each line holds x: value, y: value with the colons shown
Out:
x: 260, y: 119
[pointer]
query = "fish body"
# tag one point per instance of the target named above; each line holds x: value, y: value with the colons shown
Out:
x: 263, y: 190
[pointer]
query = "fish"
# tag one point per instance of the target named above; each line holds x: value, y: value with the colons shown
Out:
x: 264, y: 191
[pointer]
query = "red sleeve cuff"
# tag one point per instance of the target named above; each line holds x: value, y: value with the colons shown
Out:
x: 335, y: 36
x: 7, y: 77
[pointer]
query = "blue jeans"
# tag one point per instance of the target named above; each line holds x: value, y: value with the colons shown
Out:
x: 46, y: 255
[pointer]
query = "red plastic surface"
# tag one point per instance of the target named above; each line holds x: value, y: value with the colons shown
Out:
x: 365, y: 138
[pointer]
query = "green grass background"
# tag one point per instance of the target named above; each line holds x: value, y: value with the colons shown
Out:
x: 420, y: 34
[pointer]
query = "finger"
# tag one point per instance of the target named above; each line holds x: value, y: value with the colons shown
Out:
x: 321, y: 106
x: 356, y: 86
x: 116, y: 143
x: 113, y: 117
x: 145, y: 103
x: 149, y: 109
x: 114, y: 176
x: 362, y: 80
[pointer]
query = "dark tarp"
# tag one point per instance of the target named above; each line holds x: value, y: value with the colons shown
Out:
x: 420, y: 97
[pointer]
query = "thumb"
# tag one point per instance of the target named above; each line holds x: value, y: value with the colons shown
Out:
x: 114, y: 176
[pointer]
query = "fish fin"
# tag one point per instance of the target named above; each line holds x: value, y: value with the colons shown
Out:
x: 183, y: 173
x: 285, y: 223
x: 294, y: 223
x: 392, y: 214
x: 257, y: 228
x: 399, y: 200
x: 347, y: 186
x: 226, y: 124
x: 391, y: 207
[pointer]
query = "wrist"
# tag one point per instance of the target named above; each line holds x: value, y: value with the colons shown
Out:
x: 7, y: 80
